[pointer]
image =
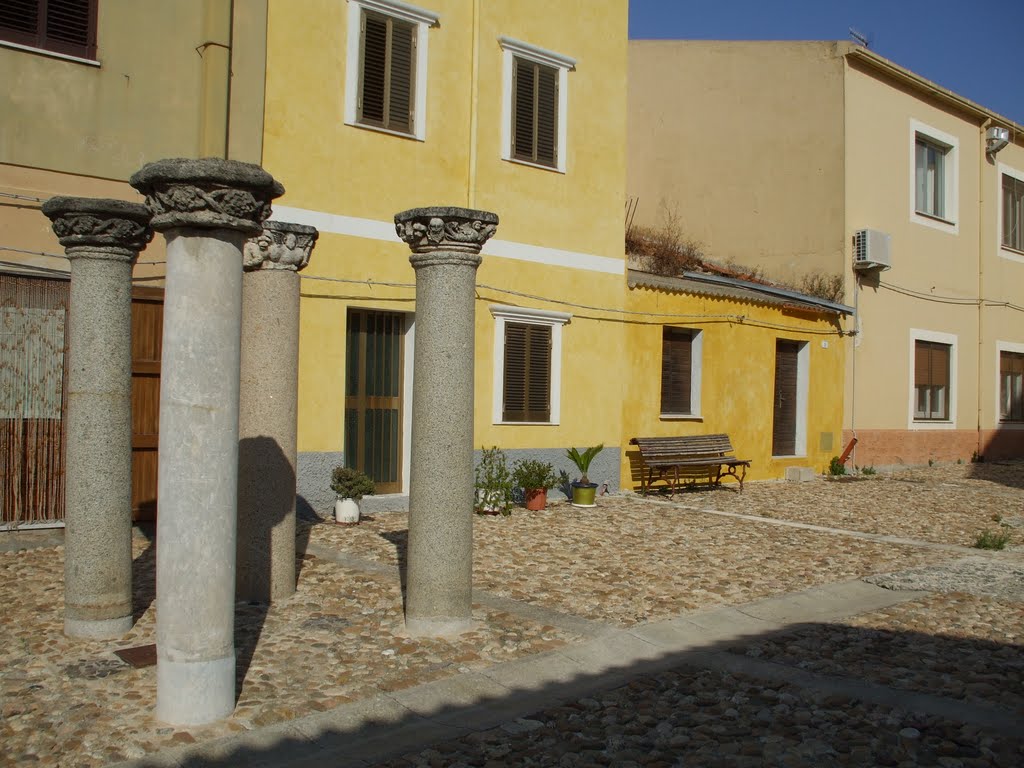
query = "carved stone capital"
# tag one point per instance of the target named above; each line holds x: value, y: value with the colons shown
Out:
x: 98, y: 227
x: 448, y: 230
x: 209, y: 193
x: 281, y: 245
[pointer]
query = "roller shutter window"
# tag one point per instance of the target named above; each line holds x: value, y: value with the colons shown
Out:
x: 534, y: 112
x: 931, y: 381
x: 387, y: 69
x: 676, y: 367
x: 1011, y: 386
x: 61, y: 26
x: 527, y: 380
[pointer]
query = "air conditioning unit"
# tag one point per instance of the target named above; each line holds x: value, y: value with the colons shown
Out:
x: 871, y: 250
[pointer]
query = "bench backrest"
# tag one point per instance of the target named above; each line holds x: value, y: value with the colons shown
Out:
x: 688, y: 446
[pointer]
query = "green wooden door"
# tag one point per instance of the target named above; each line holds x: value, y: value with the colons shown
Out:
x: 374, y: 370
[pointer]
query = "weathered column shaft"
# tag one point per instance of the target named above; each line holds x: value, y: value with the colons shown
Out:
x: 439, y: 582
x: 268, y: 415
x: 206, y: 209
x: 102, y: 238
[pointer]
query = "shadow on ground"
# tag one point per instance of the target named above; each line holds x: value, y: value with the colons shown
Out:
x: 746, y: 698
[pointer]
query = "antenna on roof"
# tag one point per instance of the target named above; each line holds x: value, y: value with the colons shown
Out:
x: 859, y: 38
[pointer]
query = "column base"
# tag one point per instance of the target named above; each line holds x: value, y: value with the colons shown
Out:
x: 102, y: 629
x: 438, y: 627
x: 194, y: 692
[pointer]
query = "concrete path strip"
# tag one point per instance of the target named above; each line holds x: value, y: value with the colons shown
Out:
x: 388, y: 725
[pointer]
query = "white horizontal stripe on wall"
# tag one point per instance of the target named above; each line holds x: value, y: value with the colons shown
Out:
x: 506, y: 249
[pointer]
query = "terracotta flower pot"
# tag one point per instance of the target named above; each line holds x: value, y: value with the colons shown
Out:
x: 537, y: 499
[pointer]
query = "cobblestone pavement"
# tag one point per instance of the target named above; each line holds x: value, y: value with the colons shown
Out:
x: 628, y: 562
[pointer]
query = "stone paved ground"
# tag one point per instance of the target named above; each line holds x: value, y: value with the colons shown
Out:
x: 630, y: 561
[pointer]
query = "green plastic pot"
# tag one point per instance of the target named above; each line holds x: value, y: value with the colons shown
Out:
x: 583, y: 494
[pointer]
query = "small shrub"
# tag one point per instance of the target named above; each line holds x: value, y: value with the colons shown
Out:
x: 977, y: 458
x: 350, y: 483
x: 493, y: 482
x: 993, y: 539
x: 836, y: 468
x: 931, y: 462
x: 869, y: 471
x: 822, y: 285
x: 530, y: 474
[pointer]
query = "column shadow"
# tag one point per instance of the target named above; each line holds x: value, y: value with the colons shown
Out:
x: 401, y: 541
x: 144, y: 571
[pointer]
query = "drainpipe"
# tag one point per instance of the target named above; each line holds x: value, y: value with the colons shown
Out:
x: 981, y: 270
x: 215, y: 52
x: 473, y: 104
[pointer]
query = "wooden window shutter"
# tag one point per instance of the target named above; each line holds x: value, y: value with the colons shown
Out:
x: 387, y: 72
x: 676, y: 369
x: 62, y: 26
x: 527, y: 380
x: 931, y: 364
x: 535, y: 112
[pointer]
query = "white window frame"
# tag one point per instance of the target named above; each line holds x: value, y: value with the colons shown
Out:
x: 696, y: 358
x: 949, y: 222
x: 950, y: 339
x: 512, y: 48
x: 1006, y: 252
x: 555, y: 320
x: 1005, y: 346
x: 423, y: 19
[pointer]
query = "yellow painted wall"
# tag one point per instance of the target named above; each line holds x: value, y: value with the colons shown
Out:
x: 738, y: 368
x: 744, y: 142
x: 73, y: 128
x: 334, y: 168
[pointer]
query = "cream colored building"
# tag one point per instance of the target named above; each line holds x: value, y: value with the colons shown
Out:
x: 791, y: 156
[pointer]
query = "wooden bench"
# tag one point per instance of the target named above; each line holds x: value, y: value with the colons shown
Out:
x: 688, y: 459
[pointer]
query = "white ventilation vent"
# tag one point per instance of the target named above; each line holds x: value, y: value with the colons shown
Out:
x: 871, y: 250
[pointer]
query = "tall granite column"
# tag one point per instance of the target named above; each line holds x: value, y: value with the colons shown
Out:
x: 205, y: 209
x: 102, y: 239
x: 445, y: 245
x: 267, y: 418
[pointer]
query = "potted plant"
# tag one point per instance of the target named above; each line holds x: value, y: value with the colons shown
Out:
x: 493, y: 483
x: 350, y: 485
x: 583, y: 491
x: 534, y: 477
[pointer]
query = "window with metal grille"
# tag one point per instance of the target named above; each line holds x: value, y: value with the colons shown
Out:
x: 1013, y: 212
x: 527, y: 377
x: 676, y: 370
x: 1011, y: 386
x: 534, y: 112
x: 387, y: 52
x: 931, y: 381
x: 61, y: 26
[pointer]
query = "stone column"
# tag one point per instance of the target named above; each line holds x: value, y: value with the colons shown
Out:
x: 205, y: 209
x: 267, y: 418
x: 102, y: 239
x: 445, y: 245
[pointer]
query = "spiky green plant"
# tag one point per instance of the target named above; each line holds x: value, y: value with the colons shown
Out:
x: 582, y: 460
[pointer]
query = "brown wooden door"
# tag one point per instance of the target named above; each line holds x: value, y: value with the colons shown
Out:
x: 784, y: 411
x: 147, y: 337
x: 374, y: 369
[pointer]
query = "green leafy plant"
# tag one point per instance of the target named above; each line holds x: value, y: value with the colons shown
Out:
x: 530, y: 474
x: 493, y: 482
x: 836, y: 467
x: 583, y: 460
x: 352, y: 484
x: 993, y: 539
x: 868, y: 471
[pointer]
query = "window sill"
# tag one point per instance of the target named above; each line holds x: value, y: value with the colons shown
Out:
x: 681, y: 417
x: 51, y: 54
x: 526, y: 423
x: 1012, y: 425
x: 935, y: 222
x: 527, y: 163
x: 789, y: 456
x: 378, y: 129
x: 922, y: 424
x: 1011, y: 253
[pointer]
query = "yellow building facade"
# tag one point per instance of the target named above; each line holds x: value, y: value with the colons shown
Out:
x: 464, y: 74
